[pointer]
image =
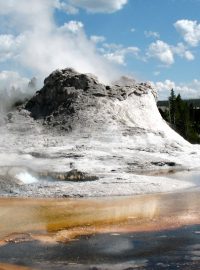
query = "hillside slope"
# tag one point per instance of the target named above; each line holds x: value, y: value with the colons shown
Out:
x: 113, y: 132
x: 72, y: 102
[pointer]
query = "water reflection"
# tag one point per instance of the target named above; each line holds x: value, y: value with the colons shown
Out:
x: 63, y: 220
x: 190, y: 176
x: 145, y: 250
x: 137, y: 232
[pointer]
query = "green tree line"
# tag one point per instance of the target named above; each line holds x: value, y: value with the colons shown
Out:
x: 184, y: 118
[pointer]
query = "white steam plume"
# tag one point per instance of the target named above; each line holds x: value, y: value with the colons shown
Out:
x: 14, y: 88
x: 43, y: 46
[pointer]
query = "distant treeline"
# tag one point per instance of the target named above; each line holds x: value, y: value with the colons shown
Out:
x: 183, y: 116
x: 194, y: 102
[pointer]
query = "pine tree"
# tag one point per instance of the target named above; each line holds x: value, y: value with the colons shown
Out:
x: 182, y: 118
x: 172, y: 107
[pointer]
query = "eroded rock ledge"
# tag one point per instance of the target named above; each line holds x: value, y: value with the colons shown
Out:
x: 69, y: 98
x: 73, y: 175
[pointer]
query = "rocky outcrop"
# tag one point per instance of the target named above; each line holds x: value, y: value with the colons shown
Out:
x: 117, y: 132
x: 73, y: 175
x: 69, y: 98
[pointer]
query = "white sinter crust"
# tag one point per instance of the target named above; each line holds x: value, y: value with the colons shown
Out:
x: 112, y: 132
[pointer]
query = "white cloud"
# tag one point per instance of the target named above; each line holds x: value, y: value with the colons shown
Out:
x: 189, y: 30
x: 118, y: 54
x: 23, y: 14
x: 187, y: 90
x: 152, y: 34
x: 45, y: 46
x: 72, y: 26
x: 112, y: 46
x: 11, y: 79
x: 9, y: 46
x: 69, y: 9
x: 166, y: 53
x: 97, y: 39
x: 161, y: 51
x: 133, y: 30
x: 189, y: 56
x: 116, y: 57
x: 183, y: 52
x: 166, y: 85
x: 6, y: 42
x: 100, y: 6
x: 156, y: 73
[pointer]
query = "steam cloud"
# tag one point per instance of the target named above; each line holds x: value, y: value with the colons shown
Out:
x: 14, y: 88
x: 34, y: 44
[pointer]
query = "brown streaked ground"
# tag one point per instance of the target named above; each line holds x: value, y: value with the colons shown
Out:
x: 52, y: 221
x: 4, y: 266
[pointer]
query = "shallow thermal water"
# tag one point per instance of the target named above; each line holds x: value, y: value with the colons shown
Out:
x: 174, y: 249
x: 190, y: 176
x: 141, y: 232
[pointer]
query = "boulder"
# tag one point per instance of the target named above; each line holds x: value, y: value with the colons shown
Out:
x: 73, y: 175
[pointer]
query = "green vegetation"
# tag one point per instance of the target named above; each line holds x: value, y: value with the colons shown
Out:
x: 183, y: 117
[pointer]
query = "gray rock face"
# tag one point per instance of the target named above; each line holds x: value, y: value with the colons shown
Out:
x: 69, y: 98
x: 73, y: 175
x: 61, y: 92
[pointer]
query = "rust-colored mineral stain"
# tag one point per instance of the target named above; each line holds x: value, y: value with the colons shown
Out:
x: 4, y: 266
x: 52, y: 221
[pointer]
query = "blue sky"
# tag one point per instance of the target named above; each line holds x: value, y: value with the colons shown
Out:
x: 151, y: 40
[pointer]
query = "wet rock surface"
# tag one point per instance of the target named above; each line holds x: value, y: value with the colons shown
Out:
x: 164, y: 163
x: 73, y: 175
